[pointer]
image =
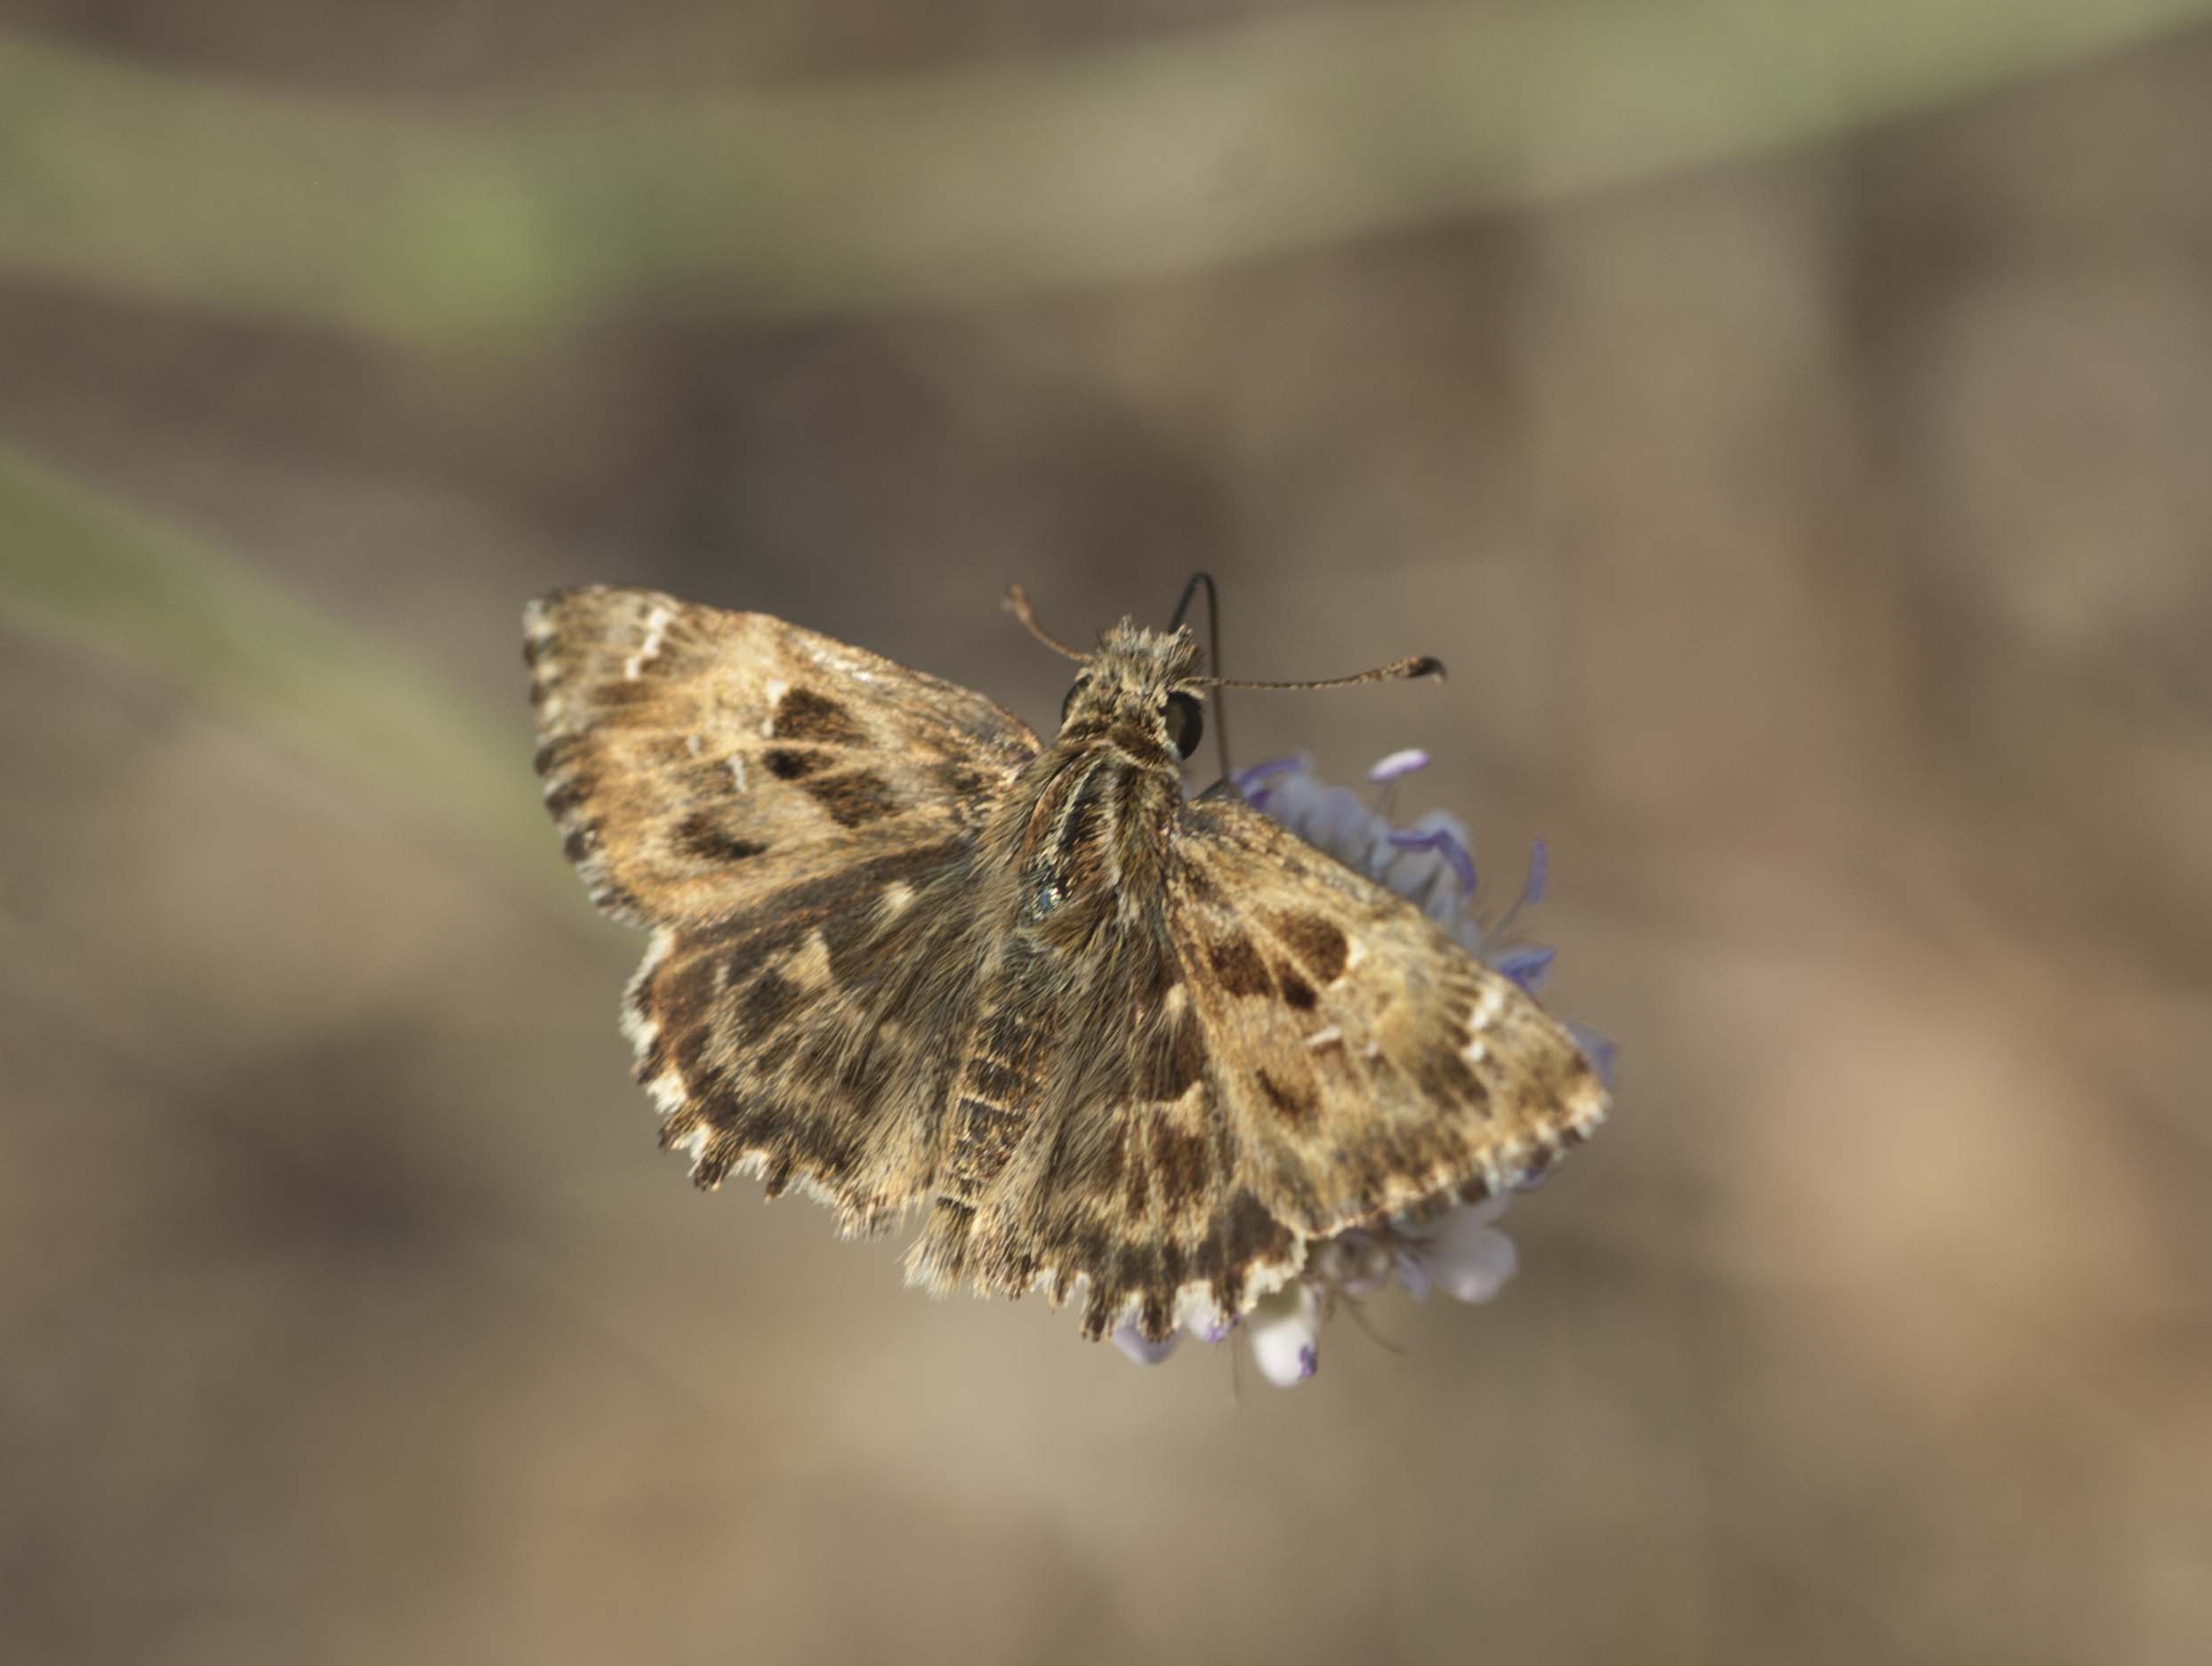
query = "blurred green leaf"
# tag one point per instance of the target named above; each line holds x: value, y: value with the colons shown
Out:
x: 76, y: 567
x: 954, y: 186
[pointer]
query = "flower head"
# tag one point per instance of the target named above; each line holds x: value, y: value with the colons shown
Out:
x: 1459, y: 1250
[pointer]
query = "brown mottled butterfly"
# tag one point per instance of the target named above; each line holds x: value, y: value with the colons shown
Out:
x: 1117, y: 1043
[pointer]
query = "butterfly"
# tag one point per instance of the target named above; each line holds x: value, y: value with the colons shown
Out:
x: 1116, y: 1045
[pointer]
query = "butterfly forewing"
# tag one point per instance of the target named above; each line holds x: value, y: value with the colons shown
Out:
x: 797, y: 819
x: 696, y: 759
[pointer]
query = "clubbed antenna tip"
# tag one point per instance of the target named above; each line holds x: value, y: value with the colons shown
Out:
x: 1017, y: 604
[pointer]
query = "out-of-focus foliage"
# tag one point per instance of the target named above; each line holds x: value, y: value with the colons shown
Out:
x: 532, y: 214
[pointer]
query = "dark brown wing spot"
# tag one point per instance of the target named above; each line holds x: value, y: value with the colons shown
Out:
x: 1295, y: 990
x: 1099, y: 1309
x: 985, y: 1138
x: 836, y: 905
x: 961, y: 781
x: 802, y: 714
x: 853, y: 799
x: 1319, y: 944
x: 1444, y: 1075
x: 996, y: 1080
x: 1236, y: 963
x: 690, y: 1046
x: 788, y: 763
x: 713, y: 1167
x: 1181, y: 1160
x: 1152, y: 1318
x: 770, y: 996
x: 682, y: 997
x: 1181, y: 1061
x: 702, y: 835
x: 1244, y: 1234
x: 1139, y: 1186
x: 1110, y: 1163
x: 1294, y: 1104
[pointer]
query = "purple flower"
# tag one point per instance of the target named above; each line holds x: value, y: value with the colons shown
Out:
x: 1459, y: 1251
x: 1141, y: 1349
x: 1285, y: 1332
x: 1398, y: 763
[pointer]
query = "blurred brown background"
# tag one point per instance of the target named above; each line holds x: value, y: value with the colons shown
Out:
x: 1815, y: 520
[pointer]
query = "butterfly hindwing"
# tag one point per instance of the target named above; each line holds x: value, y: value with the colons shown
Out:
x: 812, y: 1038
x: 1367, y: 1063
x: 1124, y: 1183
x: 1290, y: 1051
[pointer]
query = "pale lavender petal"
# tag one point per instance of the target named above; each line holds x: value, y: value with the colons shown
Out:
x: 1205, y: 1320
x: 1364, y: 1278
x: 1429, y: 867
x: 1133, y: 1342
x: 1468, y: 1259
x: 1538, y: 873
x: 1254, y: 783
x: 1445, y: 842
x: 1285, y: 1330
x: 1398, y: 764
x: 1343, y: 826
x: 1332, y: 819
x: 1413, y: 1273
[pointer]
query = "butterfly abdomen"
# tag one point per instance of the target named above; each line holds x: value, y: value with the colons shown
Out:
x: 1068, y: 838
x: 995, y: 1095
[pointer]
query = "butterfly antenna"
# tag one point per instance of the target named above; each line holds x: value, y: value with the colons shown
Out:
x: 1396, y: 671
x: 1204, y: 580
x: 1017, y: 604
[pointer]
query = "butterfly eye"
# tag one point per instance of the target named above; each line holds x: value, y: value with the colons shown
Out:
x: 1185, y: 723
x: 1074, y: 688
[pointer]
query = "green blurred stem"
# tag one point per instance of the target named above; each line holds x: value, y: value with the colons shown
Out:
x: 75, y: 566
x: 951, y: 187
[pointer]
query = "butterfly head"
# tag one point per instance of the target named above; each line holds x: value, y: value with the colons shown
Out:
x: 1139, y: 689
